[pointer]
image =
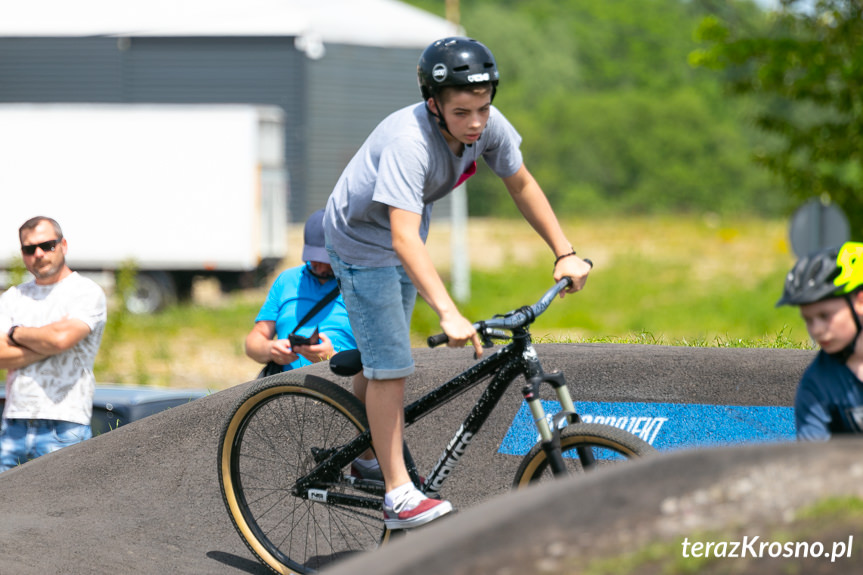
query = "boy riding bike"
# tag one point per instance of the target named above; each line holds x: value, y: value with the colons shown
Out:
x: 828, y: 287
x: 376, y: 224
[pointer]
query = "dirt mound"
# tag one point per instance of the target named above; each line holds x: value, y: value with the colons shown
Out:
x: 790, y: 508
x: 145, y: 498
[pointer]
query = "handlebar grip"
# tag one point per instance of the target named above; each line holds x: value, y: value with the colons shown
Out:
x: 436, y: 340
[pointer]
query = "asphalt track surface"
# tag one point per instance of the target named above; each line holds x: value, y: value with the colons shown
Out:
x: 145, y: 498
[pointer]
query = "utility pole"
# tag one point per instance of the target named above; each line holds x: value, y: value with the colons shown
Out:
x: 459, y: 256
x: 452, y: 12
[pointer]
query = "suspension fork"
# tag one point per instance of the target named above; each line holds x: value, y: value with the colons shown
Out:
x: 550, y: 434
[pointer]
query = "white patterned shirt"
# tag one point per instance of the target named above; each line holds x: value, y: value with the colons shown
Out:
x: 61, y: 386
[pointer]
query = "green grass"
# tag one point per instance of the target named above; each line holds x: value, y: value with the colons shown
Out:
x: 618, y: 305
x: 184, y: 346
x: 673, y: 281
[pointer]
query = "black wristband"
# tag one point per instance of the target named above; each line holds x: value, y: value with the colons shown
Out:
x: 11, y: 335
x: 572, y: 253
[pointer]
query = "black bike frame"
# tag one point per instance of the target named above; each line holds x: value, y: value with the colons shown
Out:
x: 516, y: 358
x: 505, y: 365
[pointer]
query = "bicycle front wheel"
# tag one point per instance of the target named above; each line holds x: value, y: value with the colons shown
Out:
x: 276, y: 435
x: 584, y: 446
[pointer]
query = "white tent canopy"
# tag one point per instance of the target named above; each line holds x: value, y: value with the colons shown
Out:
x: 386, y: 23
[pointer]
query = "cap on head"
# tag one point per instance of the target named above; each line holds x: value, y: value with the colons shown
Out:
x: 455, y: 61
x: 827, y: 273
x: 314, y: 244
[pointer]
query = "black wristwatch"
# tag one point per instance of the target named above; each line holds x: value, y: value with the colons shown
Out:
x: 11, y: 334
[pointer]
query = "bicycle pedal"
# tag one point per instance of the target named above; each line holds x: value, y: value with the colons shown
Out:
x: 354, y: 480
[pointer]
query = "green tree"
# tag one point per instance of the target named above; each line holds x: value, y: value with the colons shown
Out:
x: 633, y: 151
x: 808, y: 66
x: 613, y: 117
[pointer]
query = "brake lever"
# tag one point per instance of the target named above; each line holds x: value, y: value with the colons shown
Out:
x: 485, y: 336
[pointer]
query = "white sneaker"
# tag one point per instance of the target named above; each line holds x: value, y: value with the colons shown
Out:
x: 413, y: 510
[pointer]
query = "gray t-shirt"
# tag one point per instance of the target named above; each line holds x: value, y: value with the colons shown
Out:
x: 406, y: 163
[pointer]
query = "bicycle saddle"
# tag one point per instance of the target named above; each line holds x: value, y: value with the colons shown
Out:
x: 346, y: 363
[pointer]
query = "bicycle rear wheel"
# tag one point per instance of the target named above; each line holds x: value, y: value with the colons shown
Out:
x: 270, y: 441
x: 585, y: 447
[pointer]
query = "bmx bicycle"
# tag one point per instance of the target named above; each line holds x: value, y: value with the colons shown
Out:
x: 286, y: 450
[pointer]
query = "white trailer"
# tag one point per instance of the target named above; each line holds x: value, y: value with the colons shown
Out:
x: 175, y: 190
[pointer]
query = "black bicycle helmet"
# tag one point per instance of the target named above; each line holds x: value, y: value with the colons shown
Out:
x: 828, y: 273
x: 825, y: 274
x: 455, y: 61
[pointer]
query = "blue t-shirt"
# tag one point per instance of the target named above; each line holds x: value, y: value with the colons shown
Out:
x: 829, y: 400
x: 294, y: 293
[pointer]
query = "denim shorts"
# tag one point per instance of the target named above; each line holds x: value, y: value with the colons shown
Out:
x: 381, y: 326
x: 24, y: 439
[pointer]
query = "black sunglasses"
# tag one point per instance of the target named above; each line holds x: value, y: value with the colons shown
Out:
x: 48, y: 246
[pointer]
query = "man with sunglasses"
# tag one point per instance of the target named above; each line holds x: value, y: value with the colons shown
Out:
x: 52, y: 327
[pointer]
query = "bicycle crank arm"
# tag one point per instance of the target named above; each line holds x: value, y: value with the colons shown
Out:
x: 342, y: 499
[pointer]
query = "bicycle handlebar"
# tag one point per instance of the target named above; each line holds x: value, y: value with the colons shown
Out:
x: 511, y: 321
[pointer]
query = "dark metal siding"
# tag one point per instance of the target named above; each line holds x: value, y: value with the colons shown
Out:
x: 351, y: 89
x: 60, y: 70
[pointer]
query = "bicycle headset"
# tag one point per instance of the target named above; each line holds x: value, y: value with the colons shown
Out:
x: 829, y: 273
x: 454, y: 62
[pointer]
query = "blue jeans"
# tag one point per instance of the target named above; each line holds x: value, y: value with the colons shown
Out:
x: 381, y: 326
x: 24, y: 439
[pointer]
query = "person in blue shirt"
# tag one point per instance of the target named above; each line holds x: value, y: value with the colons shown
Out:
x: 294, y: 293
x: 828, y: 287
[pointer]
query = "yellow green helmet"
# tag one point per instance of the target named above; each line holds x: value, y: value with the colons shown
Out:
x: 828, y: 273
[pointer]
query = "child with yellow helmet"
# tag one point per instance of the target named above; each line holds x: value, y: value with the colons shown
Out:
x: 827, y: 285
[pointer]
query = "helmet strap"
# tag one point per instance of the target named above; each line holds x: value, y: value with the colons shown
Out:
x: 439, y: 117
x: 848, y: 351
